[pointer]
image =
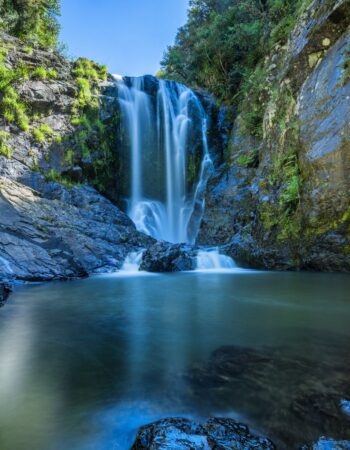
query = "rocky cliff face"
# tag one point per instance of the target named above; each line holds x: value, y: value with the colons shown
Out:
x: 54, y: 122
x: 282, y: 201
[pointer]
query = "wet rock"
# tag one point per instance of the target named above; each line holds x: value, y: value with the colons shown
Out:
x: 345, y: 406
x: 216, y: 433
x: 75, y: 173
x: 166, y: 257
x: 328, y: 444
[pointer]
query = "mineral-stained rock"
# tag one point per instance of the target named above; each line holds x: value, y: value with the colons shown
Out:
x: 216, y: 433
x: 166, y: 257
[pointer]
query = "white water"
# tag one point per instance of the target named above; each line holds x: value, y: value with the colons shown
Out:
x: 212, y: 260
x: 132, y: 262
x: 162, y: 128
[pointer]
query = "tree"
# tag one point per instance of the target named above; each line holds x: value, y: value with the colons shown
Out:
x: 34, y: 21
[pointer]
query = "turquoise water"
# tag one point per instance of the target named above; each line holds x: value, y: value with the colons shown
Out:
x: 84, y: 363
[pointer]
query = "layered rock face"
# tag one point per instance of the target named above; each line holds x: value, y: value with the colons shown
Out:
x: 283, y: 200
x: 61, y: 233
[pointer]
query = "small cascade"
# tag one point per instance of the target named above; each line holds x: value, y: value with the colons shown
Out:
x: 132, y: 262
x: 212, y: 260
x: 166, y: 133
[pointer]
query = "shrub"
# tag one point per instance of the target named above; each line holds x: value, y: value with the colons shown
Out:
x: 13, y: 109
x: 41, y: 134
x: 41, y: 73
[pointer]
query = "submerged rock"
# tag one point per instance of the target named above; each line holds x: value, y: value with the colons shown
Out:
x: 216, y: 433
x: 166, y: 257
x: 294, y: 399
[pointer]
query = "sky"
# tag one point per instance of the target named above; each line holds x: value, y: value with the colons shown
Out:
x: 129, y: 36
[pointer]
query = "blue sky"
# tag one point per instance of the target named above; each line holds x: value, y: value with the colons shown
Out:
x: 129, y: 36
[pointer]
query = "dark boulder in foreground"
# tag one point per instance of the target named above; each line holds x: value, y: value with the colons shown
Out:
x: 4, y: 293
x: 166, y: 257
x: 180, y: 433
x: 328, y: 444
x: 295, y: 399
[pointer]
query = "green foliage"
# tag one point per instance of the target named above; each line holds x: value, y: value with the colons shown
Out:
x: 42, y: 133
x: 34, y: 21
x: 57, y: 177
x: 90, y: 70
x: 222, y: 43
x: 13, y: 109
x: 248, y: 160
x: 69, y: 157
x: 40, y: 73
x: 5, y: 149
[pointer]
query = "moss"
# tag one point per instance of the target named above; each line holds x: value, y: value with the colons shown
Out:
x: 248, y: 160
x: 69, y: 157
x: 53, y: 175
x: 252, y: 109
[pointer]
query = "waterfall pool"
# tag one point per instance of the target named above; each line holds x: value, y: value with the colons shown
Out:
x: 83, y: 364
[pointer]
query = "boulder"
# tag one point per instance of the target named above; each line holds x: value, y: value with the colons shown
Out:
x: 328, y: 444
x: 166, y: 257
x: 216, y: 433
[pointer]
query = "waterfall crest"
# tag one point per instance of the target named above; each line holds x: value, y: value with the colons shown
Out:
x: 169, y: 160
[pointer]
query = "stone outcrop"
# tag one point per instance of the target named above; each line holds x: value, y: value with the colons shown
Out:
x: 216, y: 433
x: 283, y: 200
x: 61, y: 233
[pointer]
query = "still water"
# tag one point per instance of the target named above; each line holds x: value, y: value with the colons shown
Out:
x: 83, y: 364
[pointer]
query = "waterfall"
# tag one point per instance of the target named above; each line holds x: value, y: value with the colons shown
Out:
x: 132, y: 262
x: 212, y: 260
x: 166, y: 138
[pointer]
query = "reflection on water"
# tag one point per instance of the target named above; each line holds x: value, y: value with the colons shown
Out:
x: 83, y: 364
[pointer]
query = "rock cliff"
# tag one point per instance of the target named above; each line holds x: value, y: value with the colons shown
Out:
x: 282, y: 199
x: 56, y: 153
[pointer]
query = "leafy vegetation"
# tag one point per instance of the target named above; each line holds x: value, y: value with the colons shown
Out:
x: 34, y: 21
x: 41, y: 134
x: 5, y: 149
x: 223, y: 41
x: 41, y: 73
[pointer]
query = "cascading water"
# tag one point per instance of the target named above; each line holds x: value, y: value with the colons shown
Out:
x: 213, y: 260
x: 169, y: 158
